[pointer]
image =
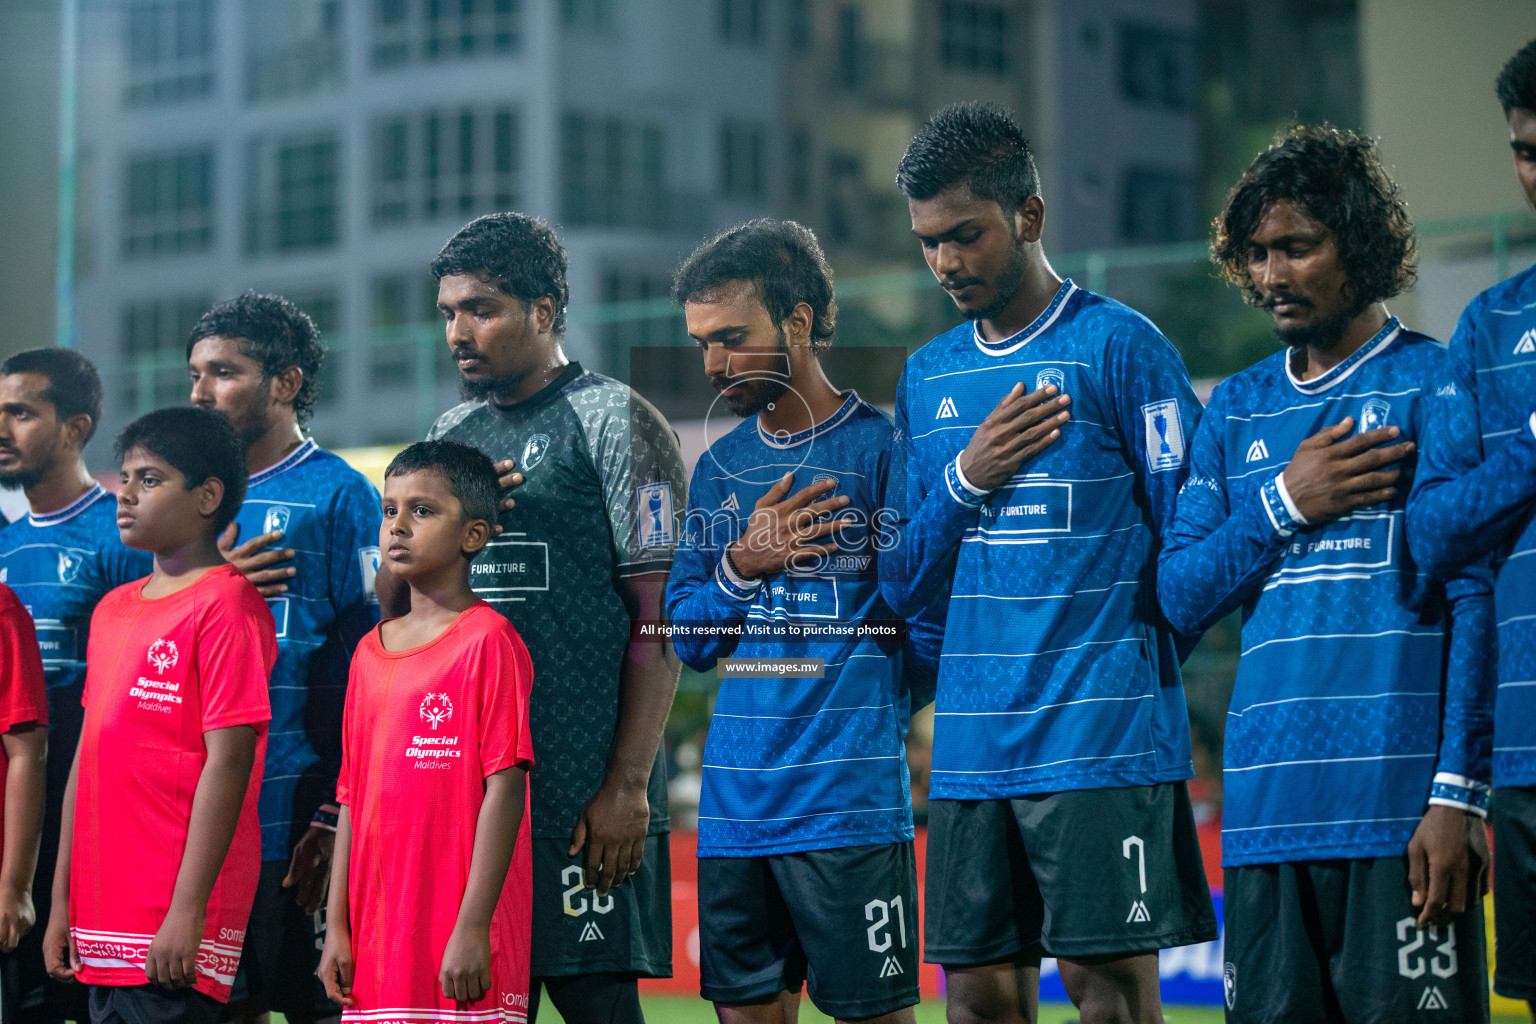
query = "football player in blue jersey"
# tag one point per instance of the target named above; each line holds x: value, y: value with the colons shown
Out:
x: 1357, y: 745
x: 1040, y: 447
x: 1473, y: 498
x: 806, y: 866
x: 60, y: 559
x: 307, y: 536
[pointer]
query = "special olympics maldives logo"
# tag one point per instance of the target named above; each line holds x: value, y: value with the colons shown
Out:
x: 163, y: 655
x: 435, y: 709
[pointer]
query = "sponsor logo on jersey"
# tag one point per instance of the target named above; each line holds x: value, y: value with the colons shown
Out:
x: 533, y: 451
x: 891, y: 967
x: 69, y: 566
x: 655, y: 514
x: 1446, y: 391
x: 1165, y: 435
x: 1432, y: 999
x: 435, y: 709
x: 591, y: 933
x: 1138, y: 914
x: 1374, y: 414
x: 1229, y: 984
x: 1527, y: 344
x: 947, y: 410
x: 730, y: 504
x: 163, y: 655
x: 1258, y: 451
x: 276, y: 519
x: 368, y: 561
x: 1051, y: 375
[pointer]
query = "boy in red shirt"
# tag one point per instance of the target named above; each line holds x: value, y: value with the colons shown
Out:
x: 160, y: 848
x: 24, y: 745
x: 429, y: 913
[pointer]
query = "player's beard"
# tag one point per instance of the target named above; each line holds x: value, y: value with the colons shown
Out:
x: 253, y: 424
x: 761, y: 391
x: 1009, y: 280
x: 21, y: 479
x: 487, y: 389
x: 1321, y: 334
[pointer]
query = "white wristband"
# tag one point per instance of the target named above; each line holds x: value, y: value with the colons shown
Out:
x: 1290, y: 506
x: 960, y: 475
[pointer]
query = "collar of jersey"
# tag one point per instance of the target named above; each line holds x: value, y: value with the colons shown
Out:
x: 545, y: 394
x: 1378, y: 343
x: 287, y: 462
x: 843, y: 412
x: 1018, y: 339
x: 71, y: 510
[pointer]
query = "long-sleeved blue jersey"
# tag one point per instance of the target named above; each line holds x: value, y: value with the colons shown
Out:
x: 1475, y: 492
x: 329, y: 515
x: 797, y: 763
x: 1364, y: 687
x: 1058, y: 670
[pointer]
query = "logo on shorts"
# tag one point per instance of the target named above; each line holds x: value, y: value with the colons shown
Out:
x: 1433, y: 1000
x: 277, y: 519
x: 1229, y: 984
x: 591, y: 933
x: 435, y: 709
x: 1051, y: 375
x: 69, y: 566
x: 891, y: 968
x: 163, y: 655
x: 533, y: 451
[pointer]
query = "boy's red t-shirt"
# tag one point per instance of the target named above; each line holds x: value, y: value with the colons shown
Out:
x: 23, y: 695
x: 422, y: 731
x: 159, y: 674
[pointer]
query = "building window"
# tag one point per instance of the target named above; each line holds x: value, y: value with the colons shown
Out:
x: 293, y: 47
x: 445, y: 163
x: 740, y: 21
x: 293, y: 194
x: 1157, y: 66
x: 613, y: 172
x: 648, y: 328
x: 170, y: 50
x: 433, y: 30
x: 974, y: 37
x: 742, y: 145
x: 169, y: 204
x: 587, y: 15
x: 154, y: 344
x: 800, y: 24
x: 799, y: 158
x: 405, y: 328
x: 1157, y: 206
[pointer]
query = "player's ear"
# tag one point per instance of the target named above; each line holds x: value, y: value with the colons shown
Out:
x: 1029, y: 219
x: 286, y: 385
x: 76, y: 429
x: 542, y: 310
x: 797, y: 326
x: 210, y: 495
x: 477, y: 534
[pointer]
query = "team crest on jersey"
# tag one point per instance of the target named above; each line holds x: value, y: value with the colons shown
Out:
x: 435, y: 709
x: 533, y: 451
x: 1051, y: 375
x: 655, y: 514
x: 947, y: 410
x: 826, y: 476
x: 1165, y: 435
x: 69, y: 566
x: 1258, y: 451
x: 163, y: 655
x: 1229, y: 984
x: 276, y: 519
x: 1373, y: 414
x: 1527, y: 344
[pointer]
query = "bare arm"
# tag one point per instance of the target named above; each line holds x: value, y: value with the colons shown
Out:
x: 59, y: 954
x: 172, y: 959
x: 466, y: 967
x: 613, y: 824
x: 26, y: 752
x: 336, y: 965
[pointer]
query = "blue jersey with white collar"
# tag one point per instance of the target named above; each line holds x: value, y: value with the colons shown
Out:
x: 1475, y: 494
x: 1058, y: 671
x: 798, y: 763
x: 1357, y: 703
x: 329, y: 515
x: 60, y: 565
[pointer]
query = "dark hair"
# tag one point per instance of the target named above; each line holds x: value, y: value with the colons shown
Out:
x: 780, y: 257
x: 976, y: 145
x: 1516, y: 84
x: 199, y: 444
x: 74, y: 386
x: 1336, y: 177
x: 275, y: 333
x: 517, y: 253
x: 470, y: 474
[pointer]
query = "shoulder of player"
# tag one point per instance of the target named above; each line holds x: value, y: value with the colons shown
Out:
x: 342, y: 478
x: 225, y: 595
x: 453, y: 418
x: 1106, y: 322
x: 1253, y: 387
x: 10, y: 604
x: 1512, y: 295
x: 486, y: 630
x: 939, y: 351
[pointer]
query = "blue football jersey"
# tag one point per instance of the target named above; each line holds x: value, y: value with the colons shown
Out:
x: 60, y: 565
x: 1475, y: 493
x: 797, y: 763
x: 329, y: 515
x: 1356, y: 704
x: 1058, y: 671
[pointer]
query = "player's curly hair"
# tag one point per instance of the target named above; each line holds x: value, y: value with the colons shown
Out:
x: 781, y: 257
x: 275, y: 333
x: 976, y: 145
x: 1336, y: 177
x: 1516, y: 84
x: 517, y: 253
